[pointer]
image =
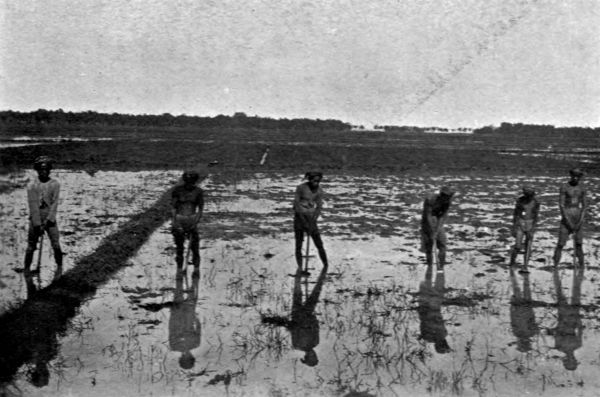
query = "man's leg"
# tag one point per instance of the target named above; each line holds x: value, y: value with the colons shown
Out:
x: 528, y: 248
x: 427, y: 247
x: 316, y: 237
x: 441, y: 243
x: 54, y: 237
x: 299, y: 237
x: 195, y: 247
x: 578, y: 241
x: 563, y: 236
x: 179, y: 237
x: 32, y: 240
x: 517, y: 247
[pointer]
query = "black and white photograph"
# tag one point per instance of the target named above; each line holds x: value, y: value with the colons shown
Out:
x: 299, y: 198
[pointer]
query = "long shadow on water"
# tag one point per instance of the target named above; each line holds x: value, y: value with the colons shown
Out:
x: 45, y: 314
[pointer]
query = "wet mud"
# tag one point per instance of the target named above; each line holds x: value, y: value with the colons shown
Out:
x: 377, y: 321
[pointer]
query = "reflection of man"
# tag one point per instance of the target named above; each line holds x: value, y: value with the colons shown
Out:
x: 525, y: 217
x: 187, y: 205
x: 43, y: 348
x: 42, y: 197
x: 522, y: 316
x: 431, y: 296
x: 568, y: 334
x: 573, y: 205
x: 435, y: 212
x: 184, y: 327
x: 304, y: 325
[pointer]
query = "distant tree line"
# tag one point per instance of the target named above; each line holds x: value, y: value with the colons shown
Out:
x: 400, y: 129
x: 238, y: 120
x: 519, y: 129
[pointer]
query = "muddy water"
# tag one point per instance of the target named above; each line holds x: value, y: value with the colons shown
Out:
x: 375, y: 322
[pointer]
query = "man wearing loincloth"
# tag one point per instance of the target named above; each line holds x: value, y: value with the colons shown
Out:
x: 187, y: 202
x: 573, y: 205
x: 42, y: 197
x: 435, y: 212
x: 525, y: 217
x: 308, y: 202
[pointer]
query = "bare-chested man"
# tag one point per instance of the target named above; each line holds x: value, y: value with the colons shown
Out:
x: 308, y: 202
x: 573, y: 205
x: 525, y: 218
x: 435, y: 212
x: 188, y: 204
x: 42, y: 196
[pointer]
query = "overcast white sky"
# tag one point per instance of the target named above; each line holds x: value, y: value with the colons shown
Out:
x: 421, y: 62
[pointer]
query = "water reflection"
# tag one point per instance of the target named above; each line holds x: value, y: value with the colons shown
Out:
x: 568, y: 332
x: 431, y: 296
x: 522, y: 316
x: 185, y: 329
x: 304, y: 325
x: 43, y: 344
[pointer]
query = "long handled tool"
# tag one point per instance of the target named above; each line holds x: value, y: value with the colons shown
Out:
x: 434, y: 252
x: 528, y: 245
x: 307, y: 253
x: 187, y: 254
x: 39, y: 262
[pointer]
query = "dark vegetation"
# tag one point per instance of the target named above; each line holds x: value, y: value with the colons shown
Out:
x: 43, y: 120
x: 238, y: 142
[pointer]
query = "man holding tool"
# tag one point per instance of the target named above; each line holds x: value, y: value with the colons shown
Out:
x: 435, y: 212
x: 308, y: 202
x: 42, y: 198
x: 525, y: 218
x: 573, y: 205
x: 187, y: 202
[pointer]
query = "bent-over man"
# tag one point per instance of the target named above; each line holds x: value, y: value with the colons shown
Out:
x: 308, y: 202
x: 435, y: 212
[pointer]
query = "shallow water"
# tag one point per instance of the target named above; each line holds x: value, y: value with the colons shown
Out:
x: 378, y: 323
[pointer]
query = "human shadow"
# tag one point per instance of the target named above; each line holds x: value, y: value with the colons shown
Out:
x: 568, y: 333
x: 522, y: 315
x: 49, y: 309
x: 43, y: 344
x: 185, y: 329
x: 432, y: 325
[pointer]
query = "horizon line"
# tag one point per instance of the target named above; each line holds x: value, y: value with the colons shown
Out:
x: 367, y: 126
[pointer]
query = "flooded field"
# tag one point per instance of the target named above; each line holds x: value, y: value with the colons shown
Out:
x: 377, y: 322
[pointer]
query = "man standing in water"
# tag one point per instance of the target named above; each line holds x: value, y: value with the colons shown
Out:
x: 42, y: 197
x: 573, y: 204
x: 308, y: 203
x: 435, y: 212
x: 187, y: 203
x: 525, y: 217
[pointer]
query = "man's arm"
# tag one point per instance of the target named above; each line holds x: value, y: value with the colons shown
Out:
x: 535, y: 214
x: 54, y: 205
x: 297, y: 197
x: 584, y: 206
x: 430, y: 220
x: 174, y: 202
x: 518, y: 209
x: 319, y: 203
x: 441, y: 221
x: 200, y: 205
x: 561, y: 206
x: 33, y: 200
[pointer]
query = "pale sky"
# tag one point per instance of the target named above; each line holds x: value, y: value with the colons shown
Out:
x: 421, y: 62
